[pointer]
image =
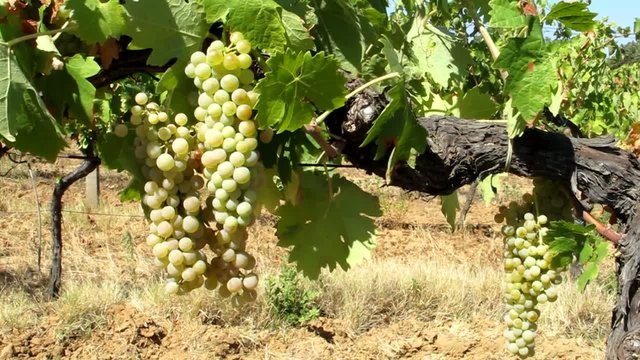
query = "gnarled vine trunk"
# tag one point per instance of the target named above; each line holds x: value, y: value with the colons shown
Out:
x: 461, y: 151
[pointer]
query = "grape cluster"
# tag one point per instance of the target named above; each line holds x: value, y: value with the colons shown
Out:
x: 530, y: 280
x: 202, y: 175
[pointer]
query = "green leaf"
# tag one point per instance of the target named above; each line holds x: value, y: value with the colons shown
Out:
x: 297, y: 35
x: 477, y: 105
x: 24, y: 121
x: 506, y: 14
x: 589, y: 273
x: 562, y: 244
x: 489, y: 187
x: 97, y: 20
x: 574, y: 15
x: 391, y: 55
x: 339, y: 32
x: 602, y: 250
x: 133, y: 191
x: 585, y: 254
x: 567, y: 229
x: 636, y: 28
x: 397, y: 125
x: 268, y: 194
x: 332, y: 226
x: 179, y: 89
x: 449, y: 206
x: 296, y: 86
x: 170, y: 28
x: 438, y: 54
x: 532, y: 74
x: 70, y: 88
x: 265, y: 23
x: 260, y: 22
x: 515, y: 122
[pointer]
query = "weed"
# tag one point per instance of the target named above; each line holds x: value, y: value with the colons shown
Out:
x: 289, y: 300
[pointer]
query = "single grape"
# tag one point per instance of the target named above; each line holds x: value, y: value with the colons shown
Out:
x: 141, y: 98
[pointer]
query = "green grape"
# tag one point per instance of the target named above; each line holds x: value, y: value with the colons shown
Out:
x: 234, y: 285
x: 229, y: 108
x: 244, y: 61
x: 141, y: 98
x: 220, y: 97
x: 198, y: 57
x: 180, y: 146
x: 185, y: 244
x: 244, y: 112
x: 190, y: 224
x: 203, y: 71
x: 121, y: 130
x: 243, y: 46
x: 231, y: 62
x: 229, y: 83
x: 214, y: 57
x: 235, y: 37
x: 204, y: 100
x: 165, y: 162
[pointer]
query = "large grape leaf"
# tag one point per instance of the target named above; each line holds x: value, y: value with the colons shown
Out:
x: 506, y: 14
x: 438, y: 54
x: 97, y: 20
x: 532, y: 75
x: 477, y: 105
x: 332, y: 226
x: 397, y: 125
x: 170, y: 28
x: 339, y: 32
x: 574, y: 15
x: 25, y: 122
x: 297, y: 85
x: 263, y: 22
x: 70, y: 88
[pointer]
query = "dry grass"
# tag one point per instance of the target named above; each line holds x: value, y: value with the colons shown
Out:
x: 106, y: 262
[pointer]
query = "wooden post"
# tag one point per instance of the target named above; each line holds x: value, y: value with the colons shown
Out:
x: 92, y: 189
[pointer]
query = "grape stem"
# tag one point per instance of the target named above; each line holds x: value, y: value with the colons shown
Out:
x: 358, y: 90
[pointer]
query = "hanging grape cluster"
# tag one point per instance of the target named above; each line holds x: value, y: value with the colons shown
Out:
x: 530, y: 280
x: 202, y: 175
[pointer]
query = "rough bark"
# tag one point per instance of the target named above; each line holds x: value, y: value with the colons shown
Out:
x: 461, y: 151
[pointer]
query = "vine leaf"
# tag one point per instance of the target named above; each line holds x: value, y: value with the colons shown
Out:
x: 24, y: 120
x: 97, y: 20
x: 506, y: 14
x: 574, y: 15
x: 297, y: 85
x: 339, y: 32
x: 263, y: 22
x: 477, y: 105
x: 449, y: 207
x: 179, y: 87
x: 438, y: 54
x: 397, y: 125
x: 70, y: 87
x: 489, y: 186
x: 331, y: 227
x: 170, y: 28
x: 532, y: 74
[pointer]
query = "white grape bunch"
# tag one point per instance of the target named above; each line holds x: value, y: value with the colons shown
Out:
x: 530, y: 280
x: 203, y: 173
